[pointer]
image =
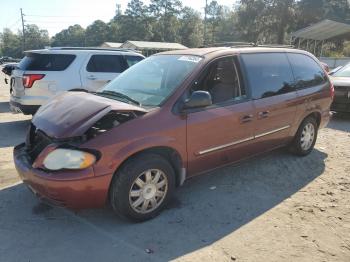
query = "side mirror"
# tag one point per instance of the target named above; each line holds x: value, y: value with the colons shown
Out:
x: 198, y: 99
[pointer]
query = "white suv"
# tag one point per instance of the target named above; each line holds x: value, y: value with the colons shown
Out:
x: 42, y: 74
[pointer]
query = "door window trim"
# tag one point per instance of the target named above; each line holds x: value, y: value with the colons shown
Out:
x: 233, y: 101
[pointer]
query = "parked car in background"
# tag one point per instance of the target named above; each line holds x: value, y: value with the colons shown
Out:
x: 341, y: 82
x: 7, y: 70
x: 7, y: 59
x: 42, y: 74
x: 334, y: 70
x: 172, y: 116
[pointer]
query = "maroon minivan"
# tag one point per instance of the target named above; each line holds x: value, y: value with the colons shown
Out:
x: 172, y: 116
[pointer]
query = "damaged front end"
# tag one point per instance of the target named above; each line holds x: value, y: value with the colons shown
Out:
x: 38, y: 141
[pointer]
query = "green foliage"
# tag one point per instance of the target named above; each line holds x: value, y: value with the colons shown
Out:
x: 191, y: 28
x: 35, y: 38
x: 72, y: 36
x: 10, y: 43
x: 96, y: 33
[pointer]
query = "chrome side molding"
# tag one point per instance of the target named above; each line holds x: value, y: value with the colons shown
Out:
x: 209, y: 150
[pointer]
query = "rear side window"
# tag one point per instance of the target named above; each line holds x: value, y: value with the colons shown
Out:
x: 46, y: 62
x: 131, y: 60
x: 306, y: 71
x: 106, y: 64
x: 269, y: 74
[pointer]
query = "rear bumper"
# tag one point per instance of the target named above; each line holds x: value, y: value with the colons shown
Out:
x: 26, y: 104
x: 71, y: 189
x: 25, y: 109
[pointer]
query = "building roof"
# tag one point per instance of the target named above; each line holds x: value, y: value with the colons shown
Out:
x: 143, y: 45
x: 111, y: 44
x: 323, y: 30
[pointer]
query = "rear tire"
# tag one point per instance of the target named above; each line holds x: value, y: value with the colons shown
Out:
x: 142, y: 187
x: 305, y: 138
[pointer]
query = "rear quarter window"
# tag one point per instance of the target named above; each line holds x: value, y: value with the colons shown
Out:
x: 306, y: 71
x: 269, y: 74
x: 46, y: 62
x: 106, y: 64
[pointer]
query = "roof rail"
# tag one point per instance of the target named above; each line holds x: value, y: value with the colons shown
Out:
x: 276, y: 46
x: 229, y: 44
x: 246, y: 44
x: 93, y: 48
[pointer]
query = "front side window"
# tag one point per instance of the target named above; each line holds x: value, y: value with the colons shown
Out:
x: 106, y: 64
x: 154, y: 79
x: 222, y: 81
x: 306, y: 71
x: 269, y: 74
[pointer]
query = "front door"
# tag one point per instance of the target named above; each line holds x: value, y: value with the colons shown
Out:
x: 221, y: 133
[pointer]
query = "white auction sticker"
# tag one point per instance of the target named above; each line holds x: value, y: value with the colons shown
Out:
x: 193, y: 59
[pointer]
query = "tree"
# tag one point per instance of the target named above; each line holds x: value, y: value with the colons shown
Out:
x: 96, y: 33
x: 72, y: 36
x: 266, y: 21
x: 191, y: 28
x: 214, y: 17
x: 312, y: 11
x: 35, y: 37
x: 10, y: 44
x: 165, y: 13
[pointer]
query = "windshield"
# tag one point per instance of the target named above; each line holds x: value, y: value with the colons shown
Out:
x: 343, y: 72
x: 152, y: 80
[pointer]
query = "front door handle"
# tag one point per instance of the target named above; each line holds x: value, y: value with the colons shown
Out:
x: 263, y: 114
x: 246, y: 118
x: 91, y: 77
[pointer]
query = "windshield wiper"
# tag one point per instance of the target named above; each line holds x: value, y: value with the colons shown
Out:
x: 119, y: 95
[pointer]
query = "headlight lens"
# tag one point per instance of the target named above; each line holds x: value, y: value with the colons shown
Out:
x: 68, y: 158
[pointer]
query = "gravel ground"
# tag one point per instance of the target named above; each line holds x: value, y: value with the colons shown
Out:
x: 276, y: 207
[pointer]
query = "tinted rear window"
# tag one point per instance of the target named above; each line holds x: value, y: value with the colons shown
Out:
x: 46, y: 62
x: 306, y: 71
x: 268, y: 74
x: 106, y: 64
x: 131, y: 60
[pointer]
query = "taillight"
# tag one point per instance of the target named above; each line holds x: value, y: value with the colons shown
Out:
x: 29, y: 79
x: 332, y: 91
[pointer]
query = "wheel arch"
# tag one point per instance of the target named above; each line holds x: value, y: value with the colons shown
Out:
x: 169, y: 153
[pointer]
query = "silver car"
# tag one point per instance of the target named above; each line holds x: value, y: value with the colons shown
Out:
x: 341, y: 82
x: 42, y: 74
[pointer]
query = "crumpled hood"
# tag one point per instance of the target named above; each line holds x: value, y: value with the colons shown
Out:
x: 340, y: 81
x: 73, y: 113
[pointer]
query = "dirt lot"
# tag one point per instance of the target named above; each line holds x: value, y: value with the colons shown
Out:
x: 277, y: 207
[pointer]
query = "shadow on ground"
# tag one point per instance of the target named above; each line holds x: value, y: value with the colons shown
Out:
x: 340, y: 121
x: 13, y: 133
x: 5, y: 107
x: 205, y: 210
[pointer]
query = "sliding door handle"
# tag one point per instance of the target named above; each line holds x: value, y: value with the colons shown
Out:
x: 246, y: 118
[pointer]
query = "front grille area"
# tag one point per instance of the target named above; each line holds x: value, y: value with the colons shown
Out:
x: 36, y: 142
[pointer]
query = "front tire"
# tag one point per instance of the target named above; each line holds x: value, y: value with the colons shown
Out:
x: 305, y: 138
x: 142, y: 187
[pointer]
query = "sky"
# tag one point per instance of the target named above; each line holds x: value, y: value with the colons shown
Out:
x: 56, y: 15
